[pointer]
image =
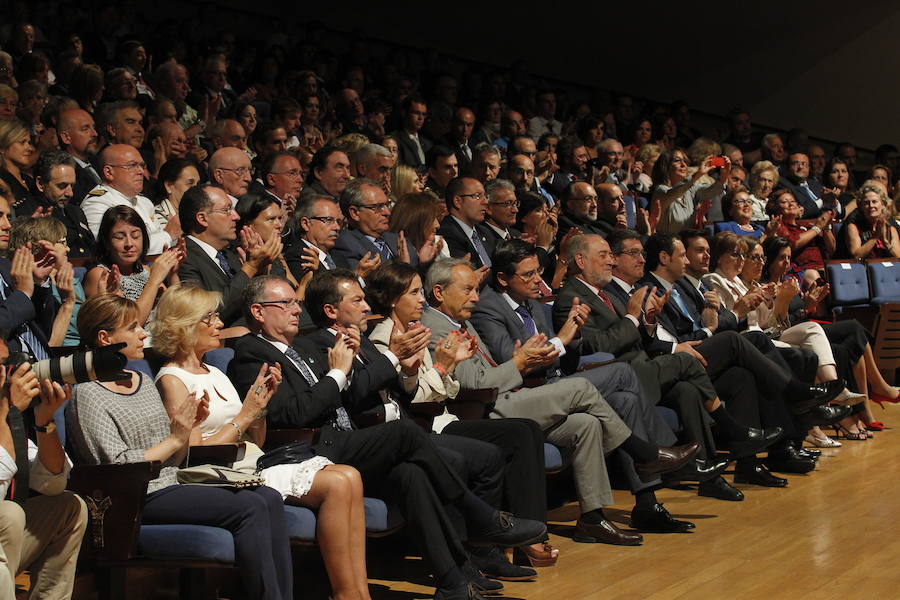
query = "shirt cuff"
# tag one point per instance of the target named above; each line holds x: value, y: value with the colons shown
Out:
x: 339, y: 377
x: 391, y: 357
x: 633, y: 320
x: 557, y: 343
x: 707, y: 331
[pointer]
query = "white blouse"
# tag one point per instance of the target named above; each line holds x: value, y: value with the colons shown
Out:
x: 224, y: 403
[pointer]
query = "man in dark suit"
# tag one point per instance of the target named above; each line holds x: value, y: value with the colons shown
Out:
x: 368, y: 210
x: 413, y: 146
x: 467, y: 205
x: 508, y: 312
x: 397, y: 460
x: 375, y: 162
x: 78, y: 137
x: 209, y: 222
x: 461, y: 127
x: 677, y: 379
x: 580, y: 206
x: 808, y: 192
x: 502, y: 208
x: 55, y: 178
x: 329, y: 172
x: 443, y: 167
x: 26, y: 307
x: 333, y: 301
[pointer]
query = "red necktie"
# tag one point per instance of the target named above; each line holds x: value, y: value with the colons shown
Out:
x: 464, y: 332
x: 607, y: 302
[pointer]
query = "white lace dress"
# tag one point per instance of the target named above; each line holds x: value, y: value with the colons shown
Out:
x: 292, y: 480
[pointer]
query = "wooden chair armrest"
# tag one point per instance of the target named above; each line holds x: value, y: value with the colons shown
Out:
x: 280, y: 437
x: 594, y: 365
x: 471, y: 404
x: 219, y: 454
x: 115, y: 496
x: 423, y: 413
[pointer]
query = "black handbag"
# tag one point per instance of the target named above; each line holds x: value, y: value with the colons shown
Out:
x: 295, y: 452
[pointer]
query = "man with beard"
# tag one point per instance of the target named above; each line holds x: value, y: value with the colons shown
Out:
x: 78, y: 137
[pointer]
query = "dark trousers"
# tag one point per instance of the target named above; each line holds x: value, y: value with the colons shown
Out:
x: 255, y: 517
x: 480, y: 464
x: 685, y: 399
x: 729, y: 349
x: 398, y: 462
x: 520, y: 443
x: 619, y: 385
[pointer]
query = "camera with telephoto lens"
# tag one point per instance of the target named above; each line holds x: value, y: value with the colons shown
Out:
x: 103, y: 364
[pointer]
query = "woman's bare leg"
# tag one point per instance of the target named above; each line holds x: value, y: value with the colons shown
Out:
x: 357, y: 530
x: 875, y: 378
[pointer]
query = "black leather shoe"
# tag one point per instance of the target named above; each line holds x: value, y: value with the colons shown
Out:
x: 824, y: 416
x: 819, y: 394
x: 509, y: 531
x: 755, y: 441
x: 757, y: 474
x: 789, y: 460
x: 806, y: 452
x: 697, y: 471
x: 605, y: 532
x: 720, y: 489
x: 657, y: 520
x: 668, y: 458
x: 462, y: 592
x: 482, y: 584
x: 492, y: 563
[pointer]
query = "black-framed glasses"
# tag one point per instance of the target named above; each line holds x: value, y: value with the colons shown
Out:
x: 757, y: 258
x: 738, y: 255
x: 475, y: 195
x: 288, y: 304
x: 506, y: 204
x: 381, y: 206
x: 330, y: 221
x: 633, y: 253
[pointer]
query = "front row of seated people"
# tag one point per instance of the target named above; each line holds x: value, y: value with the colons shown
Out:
x: 435, y: 338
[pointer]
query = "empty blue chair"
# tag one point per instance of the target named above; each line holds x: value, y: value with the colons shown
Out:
x: 219, y: 358
x: 885, y: 280
x: 849, y: 284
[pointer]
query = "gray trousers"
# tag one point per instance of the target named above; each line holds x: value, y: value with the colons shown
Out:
x: 573, y: 414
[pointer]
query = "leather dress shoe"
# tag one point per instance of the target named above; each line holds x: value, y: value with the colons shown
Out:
x: 788, y: 460
x: 757, y: 474
x: 605, y: 532
x: 493, y: 564
x: 668, y: 458
x: 819, y: 394
x: 806, y: 452
x: 509, y: 531
x: 657, y: 520
x: 482, y: 584
x: 824, y: 416
x: 720, y: 489
x: 697, y: 471
x: 755, y: 441
x: 467, y: 591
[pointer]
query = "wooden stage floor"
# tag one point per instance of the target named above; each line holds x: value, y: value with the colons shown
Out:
x: 834, y: 533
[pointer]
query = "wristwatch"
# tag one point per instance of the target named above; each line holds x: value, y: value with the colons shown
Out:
x: 48, y: 428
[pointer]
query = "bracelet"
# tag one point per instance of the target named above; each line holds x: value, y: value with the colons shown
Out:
x: 238, y: 428
x: 440, y: 369
x: 817, y: 229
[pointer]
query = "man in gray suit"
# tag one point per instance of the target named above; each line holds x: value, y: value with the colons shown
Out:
x: 368, y: 211
x: 509, y: 313
x: 571, y: 412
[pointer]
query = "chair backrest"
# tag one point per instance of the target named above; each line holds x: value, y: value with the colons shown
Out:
x: 849, y: 283
x: 219, y: 358
x: 884, y: 277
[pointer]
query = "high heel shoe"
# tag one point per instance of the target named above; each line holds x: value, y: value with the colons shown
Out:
x: 848, y: 398
x: 880, y: 400
x: 825, y: 442
x: 853, y: 436
x: 545, y: 557
x: 875, y: 426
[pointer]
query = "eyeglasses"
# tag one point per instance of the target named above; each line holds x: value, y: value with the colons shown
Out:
x: 293, y: 173
x: 738, y: 255
x: 757, y: 258
x: 224, y: 211
x: 210, y: 317
x: 475, y: 195
x: 633, y: 253
x: 330, y: 221
x: 289, y: 304
x: 381, y: 206
x: 588, y: 199
x: 507, y: 204
x: 530, y: 275
x: 132, y: 166
x: 241, y: 171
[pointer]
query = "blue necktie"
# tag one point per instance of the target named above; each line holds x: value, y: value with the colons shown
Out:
x: 29, y: 341
x: 329, y: 262
x: 679, y: 301
x: 809, y: 192
x: 530, y: 326
x: 383, y: 249
x: 479, y: 247
x: 223, y: 263
x: 341, y: 418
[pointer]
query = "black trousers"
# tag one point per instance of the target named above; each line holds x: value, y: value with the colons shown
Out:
x: 687, y: 400
x: 255, y: 517
x: 731, y: 349
x: 399, y: 463
x: 479, y: 463
x: 520, y: 444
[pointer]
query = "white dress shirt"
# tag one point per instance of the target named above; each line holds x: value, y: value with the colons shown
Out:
x: 104, y: 197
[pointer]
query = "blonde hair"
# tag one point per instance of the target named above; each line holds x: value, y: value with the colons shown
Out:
x: 701, y: 148
x: 760, y: 168
x: 178, y: 313
x: 648, y: 151
x: 870, y: 185
x: 350, y: 143
x: 403, y: 181
x: 10, y: 132
x: 105, y: 312
x: 34, y: 229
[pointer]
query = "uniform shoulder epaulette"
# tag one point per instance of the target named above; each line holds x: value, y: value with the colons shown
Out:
x: 97, y: 192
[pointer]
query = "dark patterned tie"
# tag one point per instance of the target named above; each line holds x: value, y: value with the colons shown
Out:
x: 480, y: 249
x: 530, y: 326
x: 223, y: 262
x: 341, y: 418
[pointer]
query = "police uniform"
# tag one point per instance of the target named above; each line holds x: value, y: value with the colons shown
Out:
x: 103, y: 197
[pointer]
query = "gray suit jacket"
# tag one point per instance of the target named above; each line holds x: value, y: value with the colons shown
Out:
x: 352, y: 245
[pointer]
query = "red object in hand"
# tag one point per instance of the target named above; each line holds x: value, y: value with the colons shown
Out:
x: 717, y: 161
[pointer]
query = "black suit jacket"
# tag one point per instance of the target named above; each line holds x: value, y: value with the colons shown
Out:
x: 408, y: 153
x: 79, y: 238
x: 653, y: 346
x: 200, y: 268
x: 459, y: 243
x: 18, y: 309
x: 461, y: 158
x: 84, y: 183
x: 727, y: 320
x: 810, y: 209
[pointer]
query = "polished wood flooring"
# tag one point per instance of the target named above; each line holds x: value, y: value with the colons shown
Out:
x: 834, y: 533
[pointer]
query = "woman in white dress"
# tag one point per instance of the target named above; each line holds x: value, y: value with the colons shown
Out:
x: 185, y: 328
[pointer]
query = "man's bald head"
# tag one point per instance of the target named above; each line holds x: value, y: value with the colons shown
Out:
x: 77, y: 133
x: 462, y: 125
x: 610, y: 200
x: 123, y: 169
x: 229, y: 133
x: 230, y: 170
x: 521, y: 172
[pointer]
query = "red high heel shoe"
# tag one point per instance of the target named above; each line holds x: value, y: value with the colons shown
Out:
x: 880, y: 400
x: 875, y: 426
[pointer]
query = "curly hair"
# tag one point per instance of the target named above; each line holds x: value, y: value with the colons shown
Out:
x: 179, y: 312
